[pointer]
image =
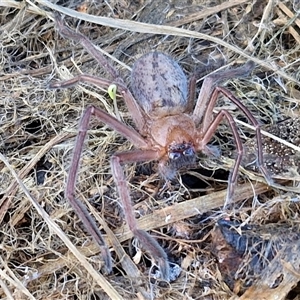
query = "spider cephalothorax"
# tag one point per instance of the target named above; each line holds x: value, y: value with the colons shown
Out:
x: 170, y: 128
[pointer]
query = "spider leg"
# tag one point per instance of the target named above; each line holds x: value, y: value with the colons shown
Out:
x: 138, y: 117
x: 205, y: 102
x: 209, y: 127
x: 246, y: 111
x: 137, y: 114
x: 87, y: 44
x: 79, y: 208
x: 239, y: 146
x: 99, y: 82
x: 203, y: 111
x: 191, y: 93
x: 148, y: 242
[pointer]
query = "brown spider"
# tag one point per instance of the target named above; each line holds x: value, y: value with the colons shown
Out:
x: 170, y: 129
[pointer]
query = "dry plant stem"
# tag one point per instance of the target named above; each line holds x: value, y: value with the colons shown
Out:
x: 13, y: 188
x: 100, y: 279
x: 178, y: 212
x: 163, y: 30
x: 126, y: 262
x: 166, y: 130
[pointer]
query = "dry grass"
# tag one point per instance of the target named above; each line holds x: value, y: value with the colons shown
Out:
x: 45, y: 251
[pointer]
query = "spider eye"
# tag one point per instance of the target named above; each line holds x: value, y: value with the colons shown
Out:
x: 188, y: 152
x: 174, y: 155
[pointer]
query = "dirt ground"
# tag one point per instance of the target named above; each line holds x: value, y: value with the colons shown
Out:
x: 247, y: 250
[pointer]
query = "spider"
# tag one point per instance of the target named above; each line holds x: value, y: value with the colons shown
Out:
x: 170, y: 129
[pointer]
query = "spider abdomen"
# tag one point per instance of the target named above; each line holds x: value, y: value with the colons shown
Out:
x: 159, y: 85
